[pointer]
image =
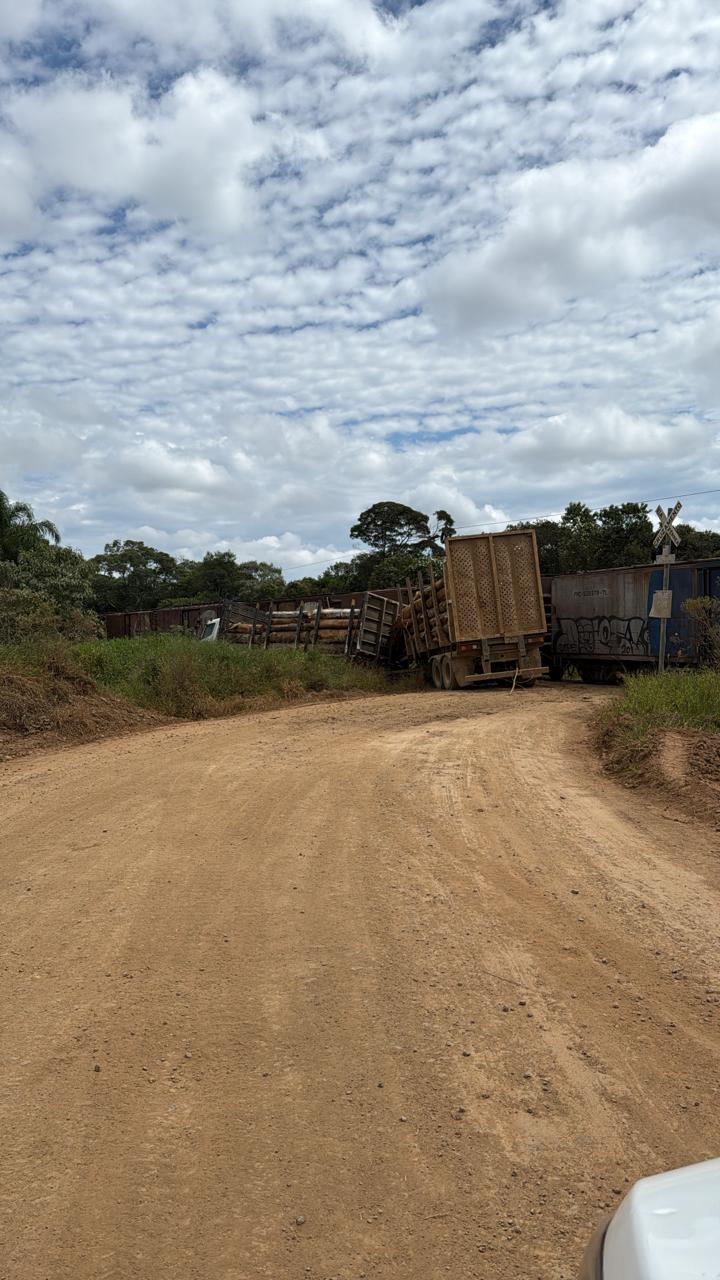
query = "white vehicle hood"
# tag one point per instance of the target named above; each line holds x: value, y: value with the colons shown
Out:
x: 667, y: 1228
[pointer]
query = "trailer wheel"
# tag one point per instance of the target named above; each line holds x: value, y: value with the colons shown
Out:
x: 449, y: 679
x: 436, y: 674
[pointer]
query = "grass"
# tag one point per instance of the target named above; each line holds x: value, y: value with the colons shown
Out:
x: 178, y: 676
x: 628, y: 727
x: 673, y: 700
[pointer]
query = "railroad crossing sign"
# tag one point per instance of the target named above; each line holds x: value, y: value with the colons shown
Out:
x: 662, y: 600
x: 666, y: 534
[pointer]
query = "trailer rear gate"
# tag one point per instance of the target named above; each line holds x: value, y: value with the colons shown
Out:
x: 494, y: 586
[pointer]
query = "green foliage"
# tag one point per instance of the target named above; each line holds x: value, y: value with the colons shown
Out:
x: 697, y: 544
x: 705, y: 614
x: 390, y: 526
x: 131, y: 575
x: 219, y: 576
x: 46, y: 593
x: 182, y: 677
x: 59, y: 574
x: 399, y: 565
x: 585, y: 539
x: 26, y: 615
x: 670, y: 700
x: 20, y: 531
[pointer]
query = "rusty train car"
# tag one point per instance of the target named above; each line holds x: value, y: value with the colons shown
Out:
x: 602, y: 624
x: 142, y: 622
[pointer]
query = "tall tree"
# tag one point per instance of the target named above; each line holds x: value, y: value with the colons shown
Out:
x: 580, y: 532
x: 131, y: 575
x: 390, y: 526
x: 20, y: 531
x: 697, y: 544
x: 625, y: 535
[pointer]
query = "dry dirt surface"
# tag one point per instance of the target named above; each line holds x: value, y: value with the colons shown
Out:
x: 402, y: 987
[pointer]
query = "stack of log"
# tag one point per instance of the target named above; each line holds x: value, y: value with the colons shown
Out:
x: 425, y: 619
x: 301, y: 628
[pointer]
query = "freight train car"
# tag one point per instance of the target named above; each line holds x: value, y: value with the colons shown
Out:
x: 140, y: 622
x: 602, y: 623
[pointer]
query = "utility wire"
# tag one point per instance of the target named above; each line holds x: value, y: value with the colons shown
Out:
x: 493, y: 524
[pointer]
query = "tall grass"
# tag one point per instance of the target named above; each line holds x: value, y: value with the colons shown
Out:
x: 627, y: 726
x: 179, y: 676
x: 673, y: 700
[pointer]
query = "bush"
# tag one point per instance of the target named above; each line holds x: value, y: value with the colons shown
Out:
x: 705, y: 613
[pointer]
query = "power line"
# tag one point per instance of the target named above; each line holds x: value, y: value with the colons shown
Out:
x: 648, y: 502
x: 493, y: 524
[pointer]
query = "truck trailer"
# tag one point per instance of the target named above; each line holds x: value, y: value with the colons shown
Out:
x: 484, y: 620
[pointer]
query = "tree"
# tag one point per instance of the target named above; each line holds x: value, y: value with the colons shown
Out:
x: 551, y: 543
x: 260, y: 581
x: 19, y: 530
x: 58, y: 574
x: 390, y: 526
x: 443, y: 528
x: 697, y: 544
x: 131, y: 575
x: 47, y: 592
x: 624, y: 535
x: 219, y: 576
x: 347, y: 575
x: 400, y: 565
x: 579, y: 532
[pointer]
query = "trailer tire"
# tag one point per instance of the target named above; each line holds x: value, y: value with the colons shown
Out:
x: 436, y: 674
x: 449, y: 678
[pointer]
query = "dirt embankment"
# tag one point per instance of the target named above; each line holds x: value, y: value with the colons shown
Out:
x: 60, y: 705
x: 681, y: 766
x: 400, y: 988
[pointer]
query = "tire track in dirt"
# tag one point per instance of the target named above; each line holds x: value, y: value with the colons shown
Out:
x: 409, y: 969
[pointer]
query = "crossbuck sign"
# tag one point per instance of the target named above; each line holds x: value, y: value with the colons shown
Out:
x: 666, y: 534
x: 662, y: 600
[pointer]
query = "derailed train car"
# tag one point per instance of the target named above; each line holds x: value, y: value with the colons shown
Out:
x: 601, y: 621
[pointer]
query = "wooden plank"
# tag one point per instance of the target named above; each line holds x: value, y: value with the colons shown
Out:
x: 268, y: 627
x: 428, y: 629
x: 298, y: 629
x: 496, y: 585
x: 348, y: 638
x: 380, y: 633
x: 442, y: 635
x: 416, y: 631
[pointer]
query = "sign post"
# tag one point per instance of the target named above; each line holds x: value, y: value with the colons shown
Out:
x: 668, y: 537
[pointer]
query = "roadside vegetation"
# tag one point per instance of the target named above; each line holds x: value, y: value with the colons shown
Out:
x: 665, y: 730
x: 43, y: 683
x: 673, y: 700
x: 179, y: 676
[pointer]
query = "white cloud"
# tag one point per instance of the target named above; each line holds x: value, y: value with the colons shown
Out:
x: 184, y: 157
x: 18, y: 20
x: 268, y: 264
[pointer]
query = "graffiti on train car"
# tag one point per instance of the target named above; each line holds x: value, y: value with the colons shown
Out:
x: 607, y: 635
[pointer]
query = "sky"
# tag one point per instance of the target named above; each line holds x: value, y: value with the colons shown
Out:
x: 263, y: 265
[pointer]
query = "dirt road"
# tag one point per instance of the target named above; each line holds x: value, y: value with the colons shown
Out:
x: 399, y: 987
